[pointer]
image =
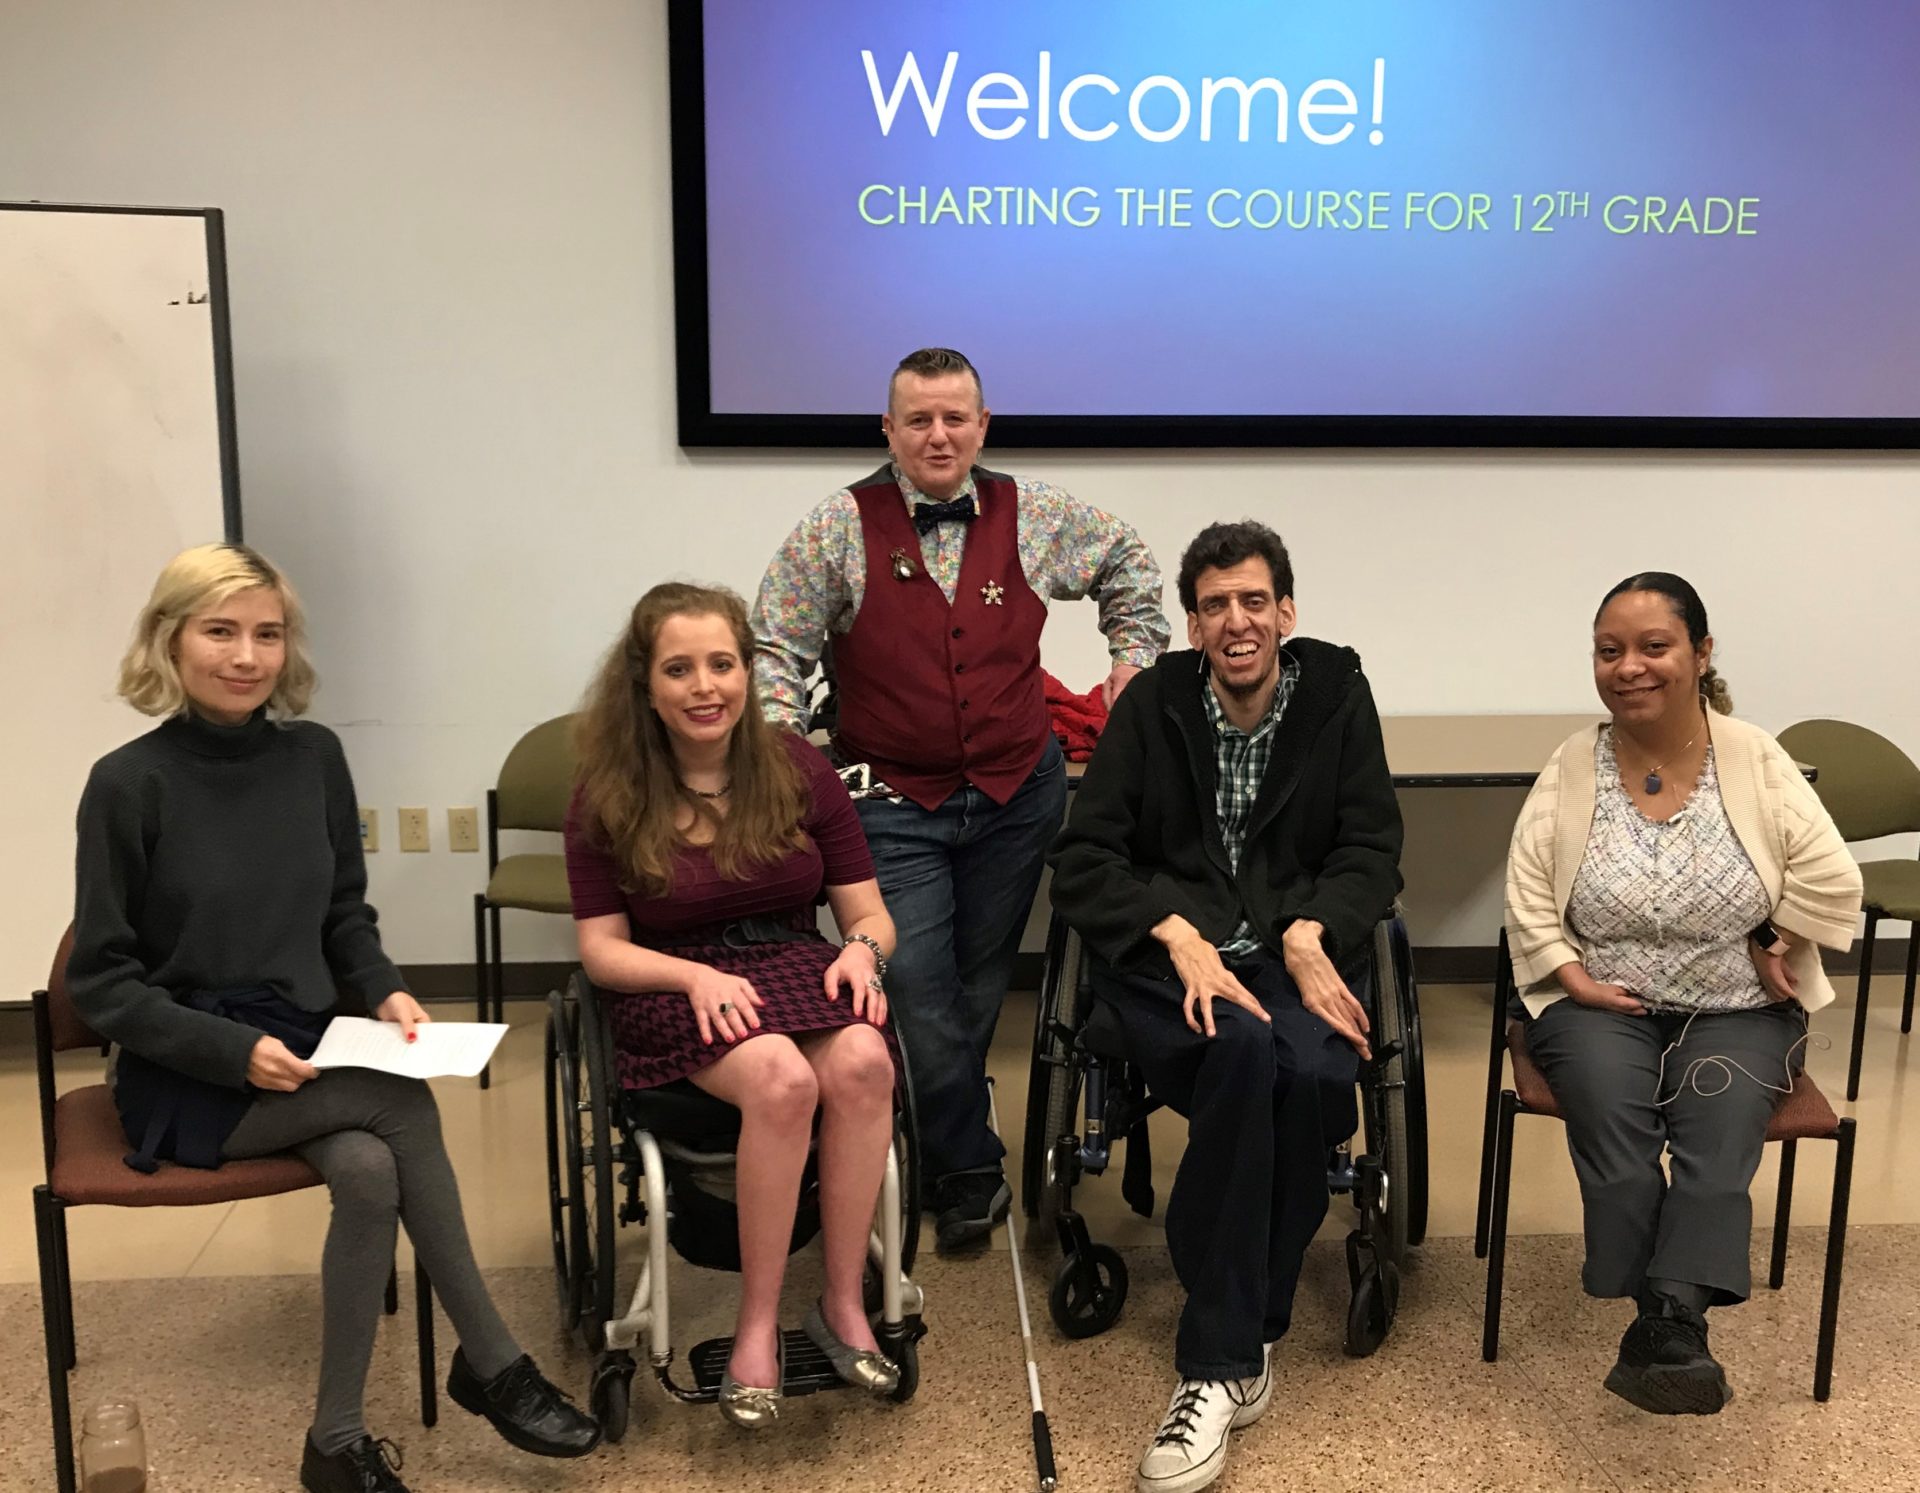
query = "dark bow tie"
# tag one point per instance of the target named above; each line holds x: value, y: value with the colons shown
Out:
x: 926, y: 515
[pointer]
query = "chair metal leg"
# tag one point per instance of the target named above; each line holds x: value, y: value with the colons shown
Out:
x: 1497, y: 1226
x: 480, y: 972
x: 1913, y: 969
x: 1496, y: 1068
x: 1836, y: 1259
x: 423, y: 1313
x: 1860, y: 1010
x: 499, y: 971
x: 64, y: 1263
x: 45, y: 1212
x: 393, y: 1290
x: 1782, y: 1209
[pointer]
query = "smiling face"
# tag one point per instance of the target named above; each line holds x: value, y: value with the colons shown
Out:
x: 1646, y: 670
x: 698, y: 680
x: 1239, y: 624
x: 935, y: 427
x: 230, y: 655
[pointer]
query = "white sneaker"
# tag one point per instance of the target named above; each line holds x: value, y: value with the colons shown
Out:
x: 1190, y: 1449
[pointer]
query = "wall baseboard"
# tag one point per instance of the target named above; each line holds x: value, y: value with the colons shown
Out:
x: 1439, y: 964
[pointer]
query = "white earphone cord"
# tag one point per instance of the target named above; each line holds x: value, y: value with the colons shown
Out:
x: 1690, y: 1075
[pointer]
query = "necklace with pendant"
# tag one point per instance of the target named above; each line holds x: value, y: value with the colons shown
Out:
x: 1653, y: 782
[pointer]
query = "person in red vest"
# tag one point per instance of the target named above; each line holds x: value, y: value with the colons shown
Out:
x: 931, y: 579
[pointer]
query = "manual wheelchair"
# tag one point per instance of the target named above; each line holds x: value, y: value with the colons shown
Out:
x: 1084, y: 1096
x: 662, y: 1159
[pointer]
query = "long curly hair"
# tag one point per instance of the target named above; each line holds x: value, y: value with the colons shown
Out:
x: 631, y: 793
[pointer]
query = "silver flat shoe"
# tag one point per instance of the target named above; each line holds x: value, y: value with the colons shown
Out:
x: 749, y: 1407
x: 874, y: 1372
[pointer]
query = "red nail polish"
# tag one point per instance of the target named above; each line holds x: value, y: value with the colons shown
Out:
x: 412, y: 1035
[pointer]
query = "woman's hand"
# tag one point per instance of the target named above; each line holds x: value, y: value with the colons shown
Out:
x: 856, y: 969
x: 722, y: 1003
x: 273, y: 1066
x: 1780, y: 982
x: 1583, y: 989
x: 403, y: 1008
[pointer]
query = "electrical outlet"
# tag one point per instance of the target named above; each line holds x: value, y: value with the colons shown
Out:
x: 413, y: 830
x: 463, y: 829
x: 369, y: 829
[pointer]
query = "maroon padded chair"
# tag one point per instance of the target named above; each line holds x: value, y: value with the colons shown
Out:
x: 1804, y: 1114
x: 85, y: 1161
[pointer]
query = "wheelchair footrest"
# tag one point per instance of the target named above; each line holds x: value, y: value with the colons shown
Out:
x: 807, y: 1369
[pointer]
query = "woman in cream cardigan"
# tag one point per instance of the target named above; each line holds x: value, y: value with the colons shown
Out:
x: 1670, y: 882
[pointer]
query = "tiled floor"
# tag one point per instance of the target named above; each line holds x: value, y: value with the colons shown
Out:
x: 224, y: 1365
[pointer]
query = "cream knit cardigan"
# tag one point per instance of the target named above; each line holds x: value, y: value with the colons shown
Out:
x: 1811, y: 879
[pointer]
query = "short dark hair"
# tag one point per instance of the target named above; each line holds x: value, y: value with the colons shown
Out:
x: 1219, y: 546
x: 931, y: 362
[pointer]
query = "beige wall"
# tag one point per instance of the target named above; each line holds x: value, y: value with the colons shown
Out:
x: 452, y: 285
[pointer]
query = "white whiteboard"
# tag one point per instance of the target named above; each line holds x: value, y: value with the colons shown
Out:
x: 115, y: 409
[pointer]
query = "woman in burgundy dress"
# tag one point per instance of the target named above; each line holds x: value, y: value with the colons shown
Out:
x: 698, y: 843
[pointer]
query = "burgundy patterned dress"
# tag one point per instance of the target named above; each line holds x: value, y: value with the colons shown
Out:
x: 656, y: 1036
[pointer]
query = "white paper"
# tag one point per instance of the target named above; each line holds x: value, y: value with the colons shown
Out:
x: 440, y: 1049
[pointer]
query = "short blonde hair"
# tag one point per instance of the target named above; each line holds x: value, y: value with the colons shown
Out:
x: 194, y: 581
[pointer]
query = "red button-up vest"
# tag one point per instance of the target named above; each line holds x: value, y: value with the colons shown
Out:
x: 934, y: 694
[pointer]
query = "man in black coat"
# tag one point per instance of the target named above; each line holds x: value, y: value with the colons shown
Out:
x: 1230, y: 850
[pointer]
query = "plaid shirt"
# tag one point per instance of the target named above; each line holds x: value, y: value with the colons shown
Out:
x: 1240, y: 761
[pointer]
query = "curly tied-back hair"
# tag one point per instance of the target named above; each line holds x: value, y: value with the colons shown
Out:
x: 1222, y: 546
x: 1692, y: 612
x: 631, y: 792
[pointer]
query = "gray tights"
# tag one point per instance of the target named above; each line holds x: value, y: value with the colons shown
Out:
x: 376, y: 1139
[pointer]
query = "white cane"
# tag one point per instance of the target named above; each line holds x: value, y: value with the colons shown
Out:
x: 1042, y: 1435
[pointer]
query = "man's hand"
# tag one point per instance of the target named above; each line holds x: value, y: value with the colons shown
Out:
x: 273, y: 1066
x: 1322, y: 991
x: 1116, y: 681
x: 1197, y: 964
x: 403, y: 1008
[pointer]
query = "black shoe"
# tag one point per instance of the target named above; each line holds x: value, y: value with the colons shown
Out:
x: 525, y: 1408
x: 1665, y: 1366
x: 967, y: 1205
x: 367, y: 1466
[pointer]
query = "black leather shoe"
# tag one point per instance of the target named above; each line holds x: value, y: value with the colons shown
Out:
x: 525, y: 1408
x: 966, y: 1206
x: 1666, y: 1368
x: 367, y: 1466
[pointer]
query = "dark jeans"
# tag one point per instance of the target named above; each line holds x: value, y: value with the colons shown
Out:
x: 1264, y: 1105
x: 1603, y: 1068
x: 959, y: 882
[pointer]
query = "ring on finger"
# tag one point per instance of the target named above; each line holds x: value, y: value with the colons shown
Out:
x: 873, y: 984
x: 725, y: 1006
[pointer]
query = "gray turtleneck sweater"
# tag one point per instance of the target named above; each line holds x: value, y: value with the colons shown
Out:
x: 220, y: 858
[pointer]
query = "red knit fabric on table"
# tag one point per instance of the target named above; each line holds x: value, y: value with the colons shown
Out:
x: 656, y: 1037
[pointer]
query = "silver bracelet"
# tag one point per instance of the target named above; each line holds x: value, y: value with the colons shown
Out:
x: 879, y: 959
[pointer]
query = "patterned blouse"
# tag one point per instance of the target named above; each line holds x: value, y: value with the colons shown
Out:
x: 1664, y: 910
x: 1068, y: 549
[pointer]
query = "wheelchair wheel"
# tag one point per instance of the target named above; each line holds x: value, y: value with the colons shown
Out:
x: 610, y: 1395
x: 595, y: 1212
x: 1088, y: 1291
x: 1407, y: 988
x: 1385, y: 1106
x: 1376, y: 1301
x: 563, y: 1150
x: 1053, y: 1086
x: 907, y: 1355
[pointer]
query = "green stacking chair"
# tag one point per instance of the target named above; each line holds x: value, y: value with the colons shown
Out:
x: 536, y: 781
x: 1871, y: 788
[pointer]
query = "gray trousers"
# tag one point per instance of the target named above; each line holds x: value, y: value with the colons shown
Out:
x: 376, y: 1139
x: 1605, y: 1070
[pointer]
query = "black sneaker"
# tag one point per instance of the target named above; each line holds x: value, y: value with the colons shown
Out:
x: 1665, y: 1367
x: 367, y: 1466
x: 525, y: 1408
x: 967, y: 1205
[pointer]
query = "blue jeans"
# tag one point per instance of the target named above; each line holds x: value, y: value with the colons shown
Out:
x: 959, y: 882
